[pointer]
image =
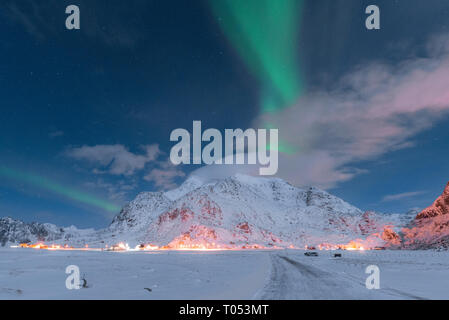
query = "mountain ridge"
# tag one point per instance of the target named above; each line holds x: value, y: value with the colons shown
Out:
x: 244, y: 210
x: 430, y: 228
x: 237, y: 211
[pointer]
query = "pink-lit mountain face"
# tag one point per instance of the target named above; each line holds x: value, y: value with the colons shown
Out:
x: 235, y: 212
x: 430, y: 228
x: 243, y: 211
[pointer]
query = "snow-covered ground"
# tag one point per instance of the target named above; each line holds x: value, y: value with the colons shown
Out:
x: 40, y: 274
x: 283, y: 274
x: 403, y: 275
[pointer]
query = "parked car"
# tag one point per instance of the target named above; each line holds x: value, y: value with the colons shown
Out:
x: 311, y: 254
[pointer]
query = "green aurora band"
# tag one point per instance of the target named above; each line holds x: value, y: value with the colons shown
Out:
x: 44, y: 183
x: 265, y: 34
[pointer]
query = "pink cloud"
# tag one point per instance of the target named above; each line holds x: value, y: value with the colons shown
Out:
x: 371, y: 111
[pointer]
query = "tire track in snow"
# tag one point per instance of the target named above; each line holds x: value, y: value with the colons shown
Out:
x: 291, y: 280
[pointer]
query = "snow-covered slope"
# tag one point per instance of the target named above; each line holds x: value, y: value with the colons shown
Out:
x: 239, y: 211
x: 243, y: 211
x: 15, y: 231
x: 430, y: 228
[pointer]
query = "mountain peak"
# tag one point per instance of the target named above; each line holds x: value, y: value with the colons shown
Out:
x: 242, y: 210
x: 191, y: 183
x: 430, y: 228
x: 446, y: 190
x: 237, y: 211
x: 17, y: 231
x: 438, y: 208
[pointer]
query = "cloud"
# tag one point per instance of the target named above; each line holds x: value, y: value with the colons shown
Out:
x: 371, y: 111
x: 164, y: 177
x: 119, y: 161
x: 218, y: 171
x: 114, y: 159
x: 401, y: 196
x: 56, y: 133
x: 118, y: 191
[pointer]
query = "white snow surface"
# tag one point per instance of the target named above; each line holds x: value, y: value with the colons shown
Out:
x: 278, y: 274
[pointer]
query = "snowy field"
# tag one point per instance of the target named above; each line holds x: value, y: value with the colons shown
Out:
x: 286, y: 274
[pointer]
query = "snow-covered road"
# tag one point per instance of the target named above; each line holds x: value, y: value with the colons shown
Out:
x: 294, y: 278
x: 285, y: 274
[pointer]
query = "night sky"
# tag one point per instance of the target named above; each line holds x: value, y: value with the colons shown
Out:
x: 86, y: 114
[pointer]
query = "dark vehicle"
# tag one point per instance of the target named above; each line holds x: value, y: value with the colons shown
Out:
x: 311, y: 254
x: 337, y: 255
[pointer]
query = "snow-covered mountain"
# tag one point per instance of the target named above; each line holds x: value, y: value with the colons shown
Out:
x: 430, y: 228
x: 239, y: 211
x: 243, y: 211
x: 15, y: 231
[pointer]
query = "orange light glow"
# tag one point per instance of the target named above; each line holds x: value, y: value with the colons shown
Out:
x: 355, y: 245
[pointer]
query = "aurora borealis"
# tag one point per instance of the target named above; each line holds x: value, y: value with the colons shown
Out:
x: 265, y: 34
x: 136, y: 70
x: 56, y: 188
